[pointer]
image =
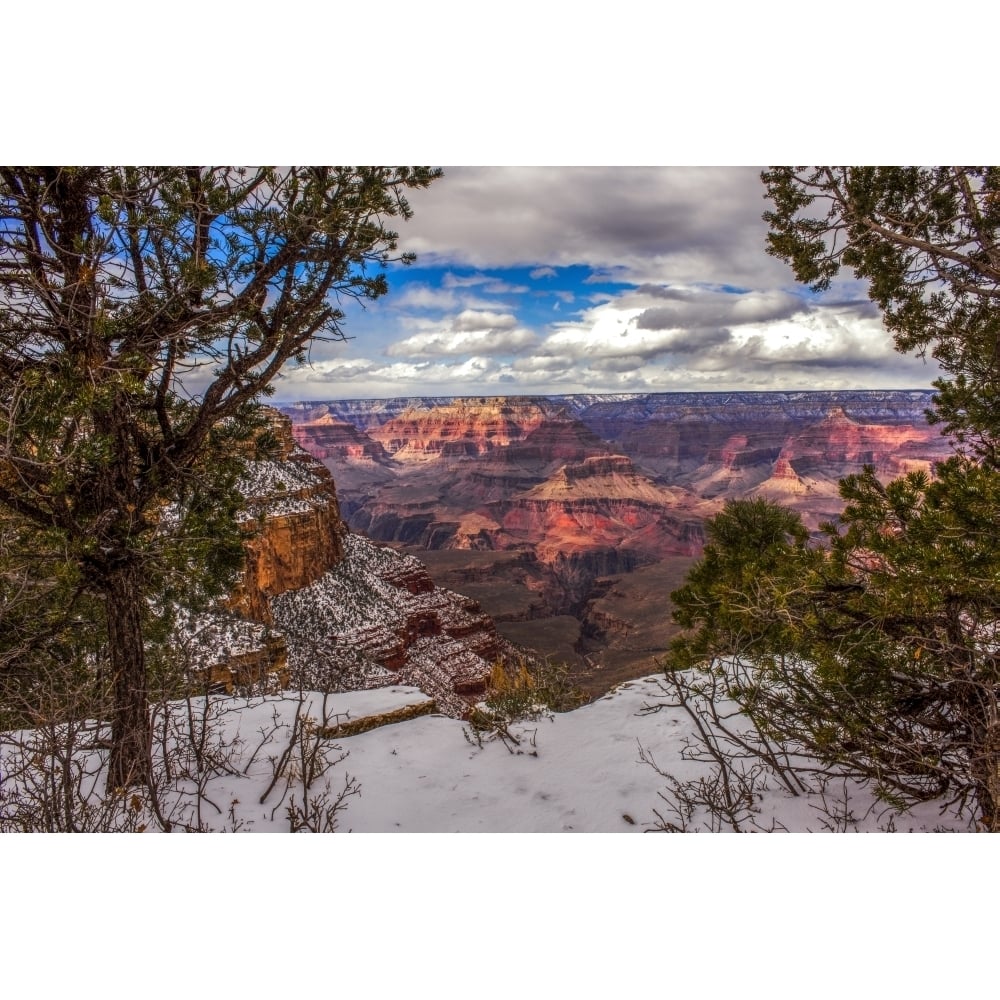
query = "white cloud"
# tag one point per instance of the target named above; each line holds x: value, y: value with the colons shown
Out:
x: 450, y: 280
x: 472, y: 319
x: 456, y: 343
x: 470, y: 332
x: 420, y: 296
x: 489, y: 283
x: 543, y: 363
x: 664, y: 335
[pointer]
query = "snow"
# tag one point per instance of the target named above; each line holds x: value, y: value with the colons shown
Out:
x: 576, y: 772
x: 267, y: 478
x: 355, y: 593
x: 275, y: 488
x: 580, y: 771
x: 754, y: 917
x: 211, y: 637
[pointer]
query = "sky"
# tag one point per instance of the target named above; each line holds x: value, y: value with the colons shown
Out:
x: 599, y: 279
x: 556, y: 279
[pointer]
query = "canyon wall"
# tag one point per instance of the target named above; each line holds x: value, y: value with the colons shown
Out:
x: 293, y: 524
x: 319, y: 608
x: 584, y: 489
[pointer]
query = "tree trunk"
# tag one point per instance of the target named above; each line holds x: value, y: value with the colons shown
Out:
x: 984, y: 751
x: 131, y: 734
x: 988, y: 789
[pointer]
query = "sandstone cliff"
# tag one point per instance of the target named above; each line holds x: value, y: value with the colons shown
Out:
x: 294, y: 529
x: 317, y: 607
x: 328, y: 437
x: 458, y: 429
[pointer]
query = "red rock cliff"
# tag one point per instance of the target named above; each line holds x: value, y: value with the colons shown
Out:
x: 294, y: 529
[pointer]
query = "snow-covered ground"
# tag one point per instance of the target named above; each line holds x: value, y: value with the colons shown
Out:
x: 576, y: 772
x: 484, y: 916
x: 582, y: 771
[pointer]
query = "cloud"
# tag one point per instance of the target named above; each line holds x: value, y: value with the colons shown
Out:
x: 742, y: 335
x: 544, y: 272
x: 404, y: 373
x: 478, y: 341
x: 696, y: 310
x: 470, y: 332
x: 694, y: 224
x: 543, y: 363
x: 622, y: 363
x: 490, y: 284
x: 470, y: 320
x: 451, y: 280
x: 753, y: 362
x: 421, y: 296
x: 691, y: 342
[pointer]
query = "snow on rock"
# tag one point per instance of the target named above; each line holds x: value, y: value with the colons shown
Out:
x: 225, y: 651
x: 377, y: 618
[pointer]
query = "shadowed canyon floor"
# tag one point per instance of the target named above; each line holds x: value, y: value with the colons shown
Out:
x: 571, y: 518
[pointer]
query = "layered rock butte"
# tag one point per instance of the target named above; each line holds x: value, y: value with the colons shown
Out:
x: 546, y: 508
x: 320, y: 608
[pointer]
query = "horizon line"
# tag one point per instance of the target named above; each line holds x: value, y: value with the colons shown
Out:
x: 569, y: 395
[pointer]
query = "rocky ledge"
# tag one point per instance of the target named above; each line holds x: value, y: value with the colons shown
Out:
x: 378, y: 619
x: 320, y: 608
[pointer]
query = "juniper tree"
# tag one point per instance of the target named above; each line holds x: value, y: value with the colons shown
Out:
x: 927, y: 241
x: 878, y: 651
x: 144, y: 312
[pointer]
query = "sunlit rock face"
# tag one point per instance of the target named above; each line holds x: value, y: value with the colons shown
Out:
x: 320, y: 608
x: 598, y: 517
x: 460, y: 429
x: 837, y: 441
x: 328, y: 437
x: 294, y: 528
x: 679, y: 435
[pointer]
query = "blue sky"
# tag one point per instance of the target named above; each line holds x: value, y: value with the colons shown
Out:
x: 599, y: 279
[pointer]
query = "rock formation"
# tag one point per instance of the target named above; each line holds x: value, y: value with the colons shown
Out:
x: 549, y: 496
x: 459, y: 429
x: 378, y: 619
x: 328, y: 437
x: 293, y: 524
x: 320, y: 608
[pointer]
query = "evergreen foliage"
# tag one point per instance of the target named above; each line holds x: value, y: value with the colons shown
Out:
x: 144, y: 312
x: 877, y: 651
x: 927, y: 240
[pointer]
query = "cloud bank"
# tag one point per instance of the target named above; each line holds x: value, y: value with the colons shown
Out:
x: 601, y: 279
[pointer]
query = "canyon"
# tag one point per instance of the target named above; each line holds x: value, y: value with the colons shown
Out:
x: 322, y: 608
x: 569, y: 519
